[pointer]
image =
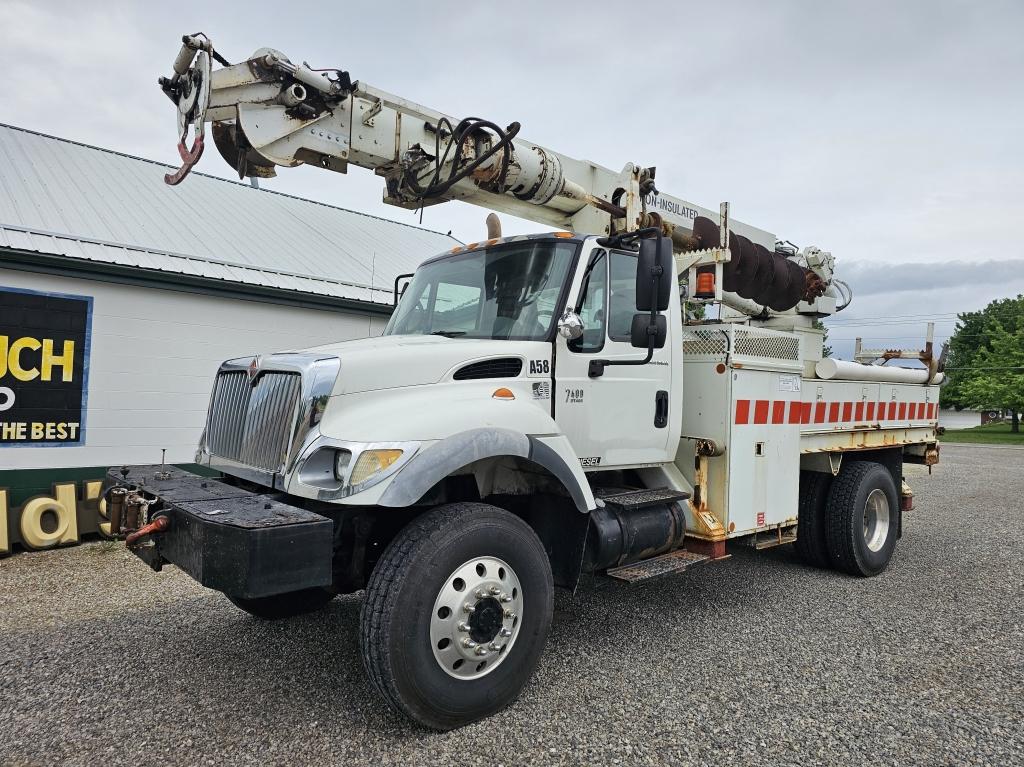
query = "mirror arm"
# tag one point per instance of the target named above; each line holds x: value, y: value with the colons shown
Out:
x: 621, y: 239
x: 398, y: 279
x: 585, y: 285
x: 596, y: 367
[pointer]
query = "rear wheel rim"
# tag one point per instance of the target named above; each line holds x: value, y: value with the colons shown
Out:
x: 876, y: 520
x: 476, y: 618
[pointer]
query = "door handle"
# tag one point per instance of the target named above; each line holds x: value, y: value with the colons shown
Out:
x: 661, y: 410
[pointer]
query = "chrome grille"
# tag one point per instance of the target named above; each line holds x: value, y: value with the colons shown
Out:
x: 252, y: 424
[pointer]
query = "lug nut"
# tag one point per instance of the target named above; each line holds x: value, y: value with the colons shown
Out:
x: 509, y: 615
x: 494, y: 646
x: 481, y: 650
x: 469, y: 608
x: 468, y: 643
x: 481, y: 593
x: 463, y: 626
x: 495, y: 591
x: 505, y: 632
x: 506, y: 597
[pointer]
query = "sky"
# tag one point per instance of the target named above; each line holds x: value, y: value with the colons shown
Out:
x: 887, y: 133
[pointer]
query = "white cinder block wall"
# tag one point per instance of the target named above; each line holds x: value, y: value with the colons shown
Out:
x: 153, y: 359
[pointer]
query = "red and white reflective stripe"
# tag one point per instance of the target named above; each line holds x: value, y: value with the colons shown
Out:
x: 763, y: 411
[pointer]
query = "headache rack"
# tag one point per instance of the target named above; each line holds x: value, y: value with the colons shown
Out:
x: 742, y: 345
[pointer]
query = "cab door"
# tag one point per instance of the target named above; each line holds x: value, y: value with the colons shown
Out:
x: 622, y: 417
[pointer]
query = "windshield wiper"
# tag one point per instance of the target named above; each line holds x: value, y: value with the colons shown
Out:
x: 449, y: 333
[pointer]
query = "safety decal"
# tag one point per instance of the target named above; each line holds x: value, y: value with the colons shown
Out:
x: 761, y: 411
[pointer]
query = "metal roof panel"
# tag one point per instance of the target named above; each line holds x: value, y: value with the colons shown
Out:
x: 64, y: 198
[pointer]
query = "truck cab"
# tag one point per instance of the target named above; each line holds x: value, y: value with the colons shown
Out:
x: 497, y: 336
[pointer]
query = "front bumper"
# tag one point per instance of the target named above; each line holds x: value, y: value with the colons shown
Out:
x: 242, y: 543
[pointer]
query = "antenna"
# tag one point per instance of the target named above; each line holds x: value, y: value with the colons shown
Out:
x: 373, y: 270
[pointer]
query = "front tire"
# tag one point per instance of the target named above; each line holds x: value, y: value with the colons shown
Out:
x: 456, y: 614
x: 284, y: 605
x: 863, y: 518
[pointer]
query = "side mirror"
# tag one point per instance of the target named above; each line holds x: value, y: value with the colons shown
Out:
x: 649, y: 329
x: 570, y: 325
x: 644, y: 331
x: 654, y: 274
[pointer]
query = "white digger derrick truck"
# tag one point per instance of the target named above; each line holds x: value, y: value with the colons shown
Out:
x: 538, y: 406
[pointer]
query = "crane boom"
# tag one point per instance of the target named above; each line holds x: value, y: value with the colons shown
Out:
x: 267, y: 112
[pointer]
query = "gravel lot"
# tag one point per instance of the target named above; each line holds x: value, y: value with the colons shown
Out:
x: 756, y: 659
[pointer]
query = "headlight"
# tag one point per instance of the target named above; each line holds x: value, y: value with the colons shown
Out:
x: 330, y: 469
x: 342, y: 458
x: 370, y: 462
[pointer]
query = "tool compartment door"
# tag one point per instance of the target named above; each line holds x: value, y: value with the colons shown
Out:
x: 764, y: 449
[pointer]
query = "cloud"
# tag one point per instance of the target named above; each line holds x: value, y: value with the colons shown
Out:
x: 885, y: 133
x: 872, y: 278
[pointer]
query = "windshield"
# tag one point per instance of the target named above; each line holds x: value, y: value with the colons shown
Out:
x: 507, y: 292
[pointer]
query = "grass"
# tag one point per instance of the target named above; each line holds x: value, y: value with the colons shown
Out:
x: 986, y: 434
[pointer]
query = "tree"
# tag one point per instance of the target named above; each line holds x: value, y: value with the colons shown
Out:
x: 997, y: 380
x: 826, y: 350
x: 977, y: 374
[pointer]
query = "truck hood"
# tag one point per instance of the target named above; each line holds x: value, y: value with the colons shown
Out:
x: 390, y: 362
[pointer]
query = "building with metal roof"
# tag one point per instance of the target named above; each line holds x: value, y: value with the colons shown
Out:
x: 85, y: 204
x: 120, y: 296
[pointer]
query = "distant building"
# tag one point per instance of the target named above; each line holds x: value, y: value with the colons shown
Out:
x: 960, y: 419
x: 120, y: 295
x: 997, y: 416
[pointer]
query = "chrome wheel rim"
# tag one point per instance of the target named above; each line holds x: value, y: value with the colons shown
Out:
x: 876, y: 520
x: 476, y: 618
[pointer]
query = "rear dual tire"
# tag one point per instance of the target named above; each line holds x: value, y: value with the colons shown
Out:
x: 849, y: 522
x: 863, y: 518
x: 812, y: 519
